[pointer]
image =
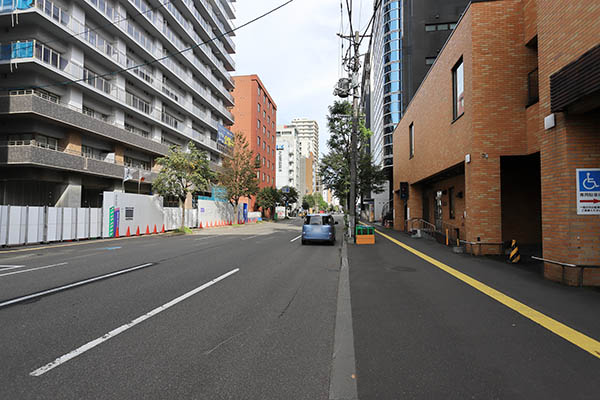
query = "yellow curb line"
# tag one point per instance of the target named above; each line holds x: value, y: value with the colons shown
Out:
x: 580, y: 340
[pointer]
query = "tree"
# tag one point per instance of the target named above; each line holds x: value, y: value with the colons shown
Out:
x: 288, y: 195
x: 238, y: 175
x: 183, y: 172
x: 268, y: 198
x: 308, y: 201
x: 320, y: 204
x: 335, y: 165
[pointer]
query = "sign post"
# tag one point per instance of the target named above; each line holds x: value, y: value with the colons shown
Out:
x: 588, y: 191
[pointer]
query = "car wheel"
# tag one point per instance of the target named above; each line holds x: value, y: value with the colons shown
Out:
x: 303, y: 242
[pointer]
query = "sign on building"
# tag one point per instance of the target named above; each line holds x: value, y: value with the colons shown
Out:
x: 224, y: 139
x: 588, y: 191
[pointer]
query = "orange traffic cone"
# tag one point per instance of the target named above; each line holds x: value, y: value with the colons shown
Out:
x: 147, y: 229
x: 200, y: 225
x: 117, y: 232
x: 137, y: 232
x: 128, y: 232
x: 163, y: 229
x: 154, y: 229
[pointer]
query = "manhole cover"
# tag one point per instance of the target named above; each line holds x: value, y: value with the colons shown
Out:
x: 401, y: 269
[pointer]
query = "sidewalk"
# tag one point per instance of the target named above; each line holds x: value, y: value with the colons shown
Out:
x: 422, y: 333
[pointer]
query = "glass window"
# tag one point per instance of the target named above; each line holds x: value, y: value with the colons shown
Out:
x: 429, y: 60
x: 452, y: 26
x: 458, y: 86
x: 411, y: 140
x: 442, y: 27
x: 429, y: 28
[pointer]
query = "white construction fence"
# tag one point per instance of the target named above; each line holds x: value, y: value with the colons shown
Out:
x: 122, y: 214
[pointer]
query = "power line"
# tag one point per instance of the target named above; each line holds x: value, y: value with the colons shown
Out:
x: 371, y: 21
x: 70, y: 81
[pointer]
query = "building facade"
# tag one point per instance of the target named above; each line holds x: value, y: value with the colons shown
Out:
x: 255, y: 115
x: 427, y: 25
x: 406, y: 38
x: 308, y: 145
x: 501, y: 142
x: 90, y: 88
x: 288, y: 158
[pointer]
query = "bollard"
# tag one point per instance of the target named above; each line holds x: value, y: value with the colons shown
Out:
x: 514, y: 257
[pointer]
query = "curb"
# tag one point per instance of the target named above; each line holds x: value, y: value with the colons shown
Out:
x: 342, y: 382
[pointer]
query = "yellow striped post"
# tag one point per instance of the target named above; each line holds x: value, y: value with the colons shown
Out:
x: 514, y: 257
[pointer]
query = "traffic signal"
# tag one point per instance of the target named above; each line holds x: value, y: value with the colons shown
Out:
x: 404, y: 190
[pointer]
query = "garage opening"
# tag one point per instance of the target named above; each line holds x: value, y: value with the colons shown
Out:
x: 521, y: 197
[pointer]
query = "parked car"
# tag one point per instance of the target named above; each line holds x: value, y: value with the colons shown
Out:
x: 319, y: 228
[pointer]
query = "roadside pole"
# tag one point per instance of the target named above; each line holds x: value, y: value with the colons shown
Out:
x: 353, y: 136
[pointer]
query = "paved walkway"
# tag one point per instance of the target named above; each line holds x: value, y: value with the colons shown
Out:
x: 429, y: 323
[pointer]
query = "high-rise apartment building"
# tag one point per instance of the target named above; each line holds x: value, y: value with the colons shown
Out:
x: 256, y: 118
x: 92, y: 87
x: 287, y: 158
x: 308, y: 139
x: 406, y: 37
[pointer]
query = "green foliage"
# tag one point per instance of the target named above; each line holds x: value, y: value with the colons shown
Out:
x: 308, y: 201
x: 238, y: 175
x: 184, y: 229
x: 335, y: 165
x: 268, y: 198
x: 183, y: 172
x: 290, y: 197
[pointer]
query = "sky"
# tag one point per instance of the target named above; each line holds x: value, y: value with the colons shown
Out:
x: 296, y: 53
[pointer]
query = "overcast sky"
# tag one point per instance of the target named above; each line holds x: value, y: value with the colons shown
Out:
x: 295, y: 52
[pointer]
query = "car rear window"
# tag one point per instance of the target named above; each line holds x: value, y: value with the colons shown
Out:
x: 317, y: 220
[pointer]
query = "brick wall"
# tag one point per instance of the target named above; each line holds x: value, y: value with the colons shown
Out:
x: 246, y: 115
x: 565, y: 31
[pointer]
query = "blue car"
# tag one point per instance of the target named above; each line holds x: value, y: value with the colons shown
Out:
x: 319, y: 228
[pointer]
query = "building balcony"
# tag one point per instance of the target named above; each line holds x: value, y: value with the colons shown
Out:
x: 33, y: 104
x: 140, y: 44
x: 32, y: 153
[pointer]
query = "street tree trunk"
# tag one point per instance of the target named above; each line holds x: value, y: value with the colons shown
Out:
x: 182, y: 206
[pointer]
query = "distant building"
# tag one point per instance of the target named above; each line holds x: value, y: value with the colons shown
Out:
x: 287, y: 158
x: 308, y: 135
x: 501, y: 142
x: 255, y: 115
x: 308, y: 138
x: 93, y: 92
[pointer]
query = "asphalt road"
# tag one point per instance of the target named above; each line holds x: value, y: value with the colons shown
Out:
x: 264, y: 331
x: 421, y: 333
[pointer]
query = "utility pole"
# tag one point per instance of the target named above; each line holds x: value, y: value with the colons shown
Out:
x: 353, y: 137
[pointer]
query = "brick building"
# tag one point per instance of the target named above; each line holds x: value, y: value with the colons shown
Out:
x: 473, y: 145
x: 255, y: 115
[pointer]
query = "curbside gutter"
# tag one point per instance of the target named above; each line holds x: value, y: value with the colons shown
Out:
x: 342, y: 382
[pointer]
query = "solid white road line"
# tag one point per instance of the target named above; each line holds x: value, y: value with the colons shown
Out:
x: 71, y: 285
x: 250, y: 237
x: 123, y: 328
x: 7, y: 267
x: 296, y: 238
x: 33, y: 269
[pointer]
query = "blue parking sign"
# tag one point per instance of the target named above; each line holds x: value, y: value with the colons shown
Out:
x: 588, y: 191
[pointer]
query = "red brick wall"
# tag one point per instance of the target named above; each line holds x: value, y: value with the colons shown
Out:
x: 491, y: 38
x: 565, y: 32
x: 246, y: 115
